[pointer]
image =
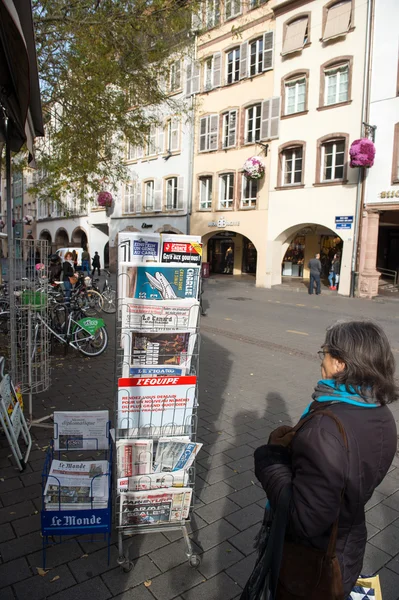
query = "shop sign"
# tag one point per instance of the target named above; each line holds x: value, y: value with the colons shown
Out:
x: 389, y: 194
x: 343, y: 222
x: 146, y: 225
x: 221, y: 223
x: 75, y: 521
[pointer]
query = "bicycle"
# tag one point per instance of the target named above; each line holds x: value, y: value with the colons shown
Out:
x: 109, y: 295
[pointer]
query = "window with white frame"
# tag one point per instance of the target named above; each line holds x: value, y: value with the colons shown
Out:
x: 149, y: 195
x: 131, y: 151
x: 233, y: 65
x: 229, y: 129
x: 292, y: 164
x: 208, y: 72
x: 205, y: 193
x: 226, y: 191
x: 208, y: 137
x: 256, y: 57
x: 151, y: 144
x: 129, y: 197
x: 171, y: 193
x: 173, y: 134
x: 249, y: 192
x: 332, y: 160
x: 295, y: 96
x: 232, y: 8
x: 175, y: 76
x: 212, y: 13
x: 336, y: 85
x: 252, y: 124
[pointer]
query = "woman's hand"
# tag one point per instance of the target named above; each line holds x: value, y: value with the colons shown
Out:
x: 282, y: 436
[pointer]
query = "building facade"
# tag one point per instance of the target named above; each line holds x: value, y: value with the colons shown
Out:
x: 319, y: 74
x: 236, y: 119
x: 379, y: 247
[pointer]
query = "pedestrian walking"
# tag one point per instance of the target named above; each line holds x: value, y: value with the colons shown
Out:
x: 330, y: 463
x: 55, y: 268
x: 68, y: 273
x: 96, y: 264
x: 85, y: 261
x: 333, y: 276
x: 229, y: 259
x: 315, y: 271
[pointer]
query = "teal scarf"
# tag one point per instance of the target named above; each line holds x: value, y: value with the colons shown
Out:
x: 327, y: 390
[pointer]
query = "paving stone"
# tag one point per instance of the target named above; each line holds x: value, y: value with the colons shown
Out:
x: 29, y: 479
x: 218, y: 447
x: 242, y: 480
x: 10, y: 513
x: 144, y: 544
x: 193, y: 526
x: 262, y: 435
x: 394, y: 564
x: 11, y: 472
x: 14, y: 571
x: 241, y: 571
x: 374, y: 559
x: 244, y: 541
x: 375, y: 499
x: 218, y: 587
x: 175, y: 582
x: 389, y: 584
x: 214, y: 534
x: 216, y: 510
x: 210, y: 493
x: 16, y: 496
x: 89, y: 545
x: 118, y: 581
x: 214, y: 436
x: 27, y: 525
x: 248, y: 495
x: 89, y: 590
x: 240, y: 452
x: 57, y: 554
x: 218, y: 559
x: 7, y: 594
x: 380, y: 516
x: 259, y: 424
x: 138, y: 593
x: 21, y: 546
x: 172, y: 555
x: 219, y: 474
x: 6, y: 532
x: 244, y: 518
x: 246, y: 463
x: 389, y: 485
x: 9, y: 484
x: 211, y: 462
x: 371, y: 530
x: 392, y: 501
x: 40, y: 588
x: 387, y: 540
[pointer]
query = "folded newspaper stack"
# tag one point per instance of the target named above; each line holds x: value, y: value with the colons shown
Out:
x: 78, y: 485
x: 151, y: 507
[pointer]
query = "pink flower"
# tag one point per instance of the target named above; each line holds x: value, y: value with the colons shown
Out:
x: 104, y: 199
x: 362, y: 153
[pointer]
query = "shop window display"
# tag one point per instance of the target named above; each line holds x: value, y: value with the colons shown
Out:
x: 293, y: 260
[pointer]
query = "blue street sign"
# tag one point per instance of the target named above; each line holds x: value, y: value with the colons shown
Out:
x: 343, y: 226
x: 348, y: 219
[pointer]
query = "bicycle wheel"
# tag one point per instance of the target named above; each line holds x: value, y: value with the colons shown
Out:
x: 95, y: 300
x: 91, y: 345
x: 109, y: 297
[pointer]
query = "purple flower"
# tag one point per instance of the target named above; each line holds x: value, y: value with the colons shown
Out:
x: 362, y: 153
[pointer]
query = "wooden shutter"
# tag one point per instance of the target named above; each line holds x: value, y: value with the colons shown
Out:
x: 275, y: 117
x: 161, y: 139
x: 189, y: 78
x: 203, y: 134
x: 217, y: 69
x: 180, y: 193
x: 265, y: 120
x: 338, y: 20
x: 213, y: 132
x: 158, y: 184
x: 175, y: 134
x: 232, y: 128
x: 295, y: 36
x: 268, y: 42
x: 137, y: 207
x: 244, y: 60
x: 195, y: 86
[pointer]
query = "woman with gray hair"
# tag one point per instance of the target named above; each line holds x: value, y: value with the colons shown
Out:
x: 333, y: 460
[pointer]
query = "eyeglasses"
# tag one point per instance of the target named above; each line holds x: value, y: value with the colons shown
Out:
x: 321, y: 354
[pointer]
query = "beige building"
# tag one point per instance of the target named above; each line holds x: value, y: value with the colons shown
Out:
x: 236, y: 117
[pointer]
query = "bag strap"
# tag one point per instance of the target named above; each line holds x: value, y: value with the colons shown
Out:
x: 334, y: 532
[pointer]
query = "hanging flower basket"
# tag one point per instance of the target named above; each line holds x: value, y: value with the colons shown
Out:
x: 362, y: 153
x: 104, y: 199
x: 28, y: 219
x: 254, y: 168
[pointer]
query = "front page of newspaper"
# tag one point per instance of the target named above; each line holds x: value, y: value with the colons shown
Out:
x: 83, y: 430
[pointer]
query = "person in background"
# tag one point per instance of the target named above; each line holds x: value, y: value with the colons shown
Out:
x: 96, y: 264
x: 85, y: 260
x: 315, y: 271
x: 333, y: 276
x: 67, y: 272
x: 75, y: 259
x: 229, y: 258
x: 55, y: 268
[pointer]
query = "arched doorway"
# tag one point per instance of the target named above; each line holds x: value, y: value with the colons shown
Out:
x: 169, y: 229
x: 61, y: 238
x: 79, y: 238
x: 230, y: 253
x: 46, y: 236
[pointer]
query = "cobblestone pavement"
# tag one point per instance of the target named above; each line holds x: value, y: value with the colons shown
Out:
x: 258, y: 367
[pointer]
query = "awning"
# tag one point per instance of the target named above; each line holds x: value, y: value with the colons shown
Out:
x: 19, y: 81
x: 295, y: 36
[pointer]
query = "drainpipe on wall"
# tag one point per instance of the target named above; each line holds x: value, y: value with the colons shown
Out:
x: 362, y: 180
x: 191, y: 163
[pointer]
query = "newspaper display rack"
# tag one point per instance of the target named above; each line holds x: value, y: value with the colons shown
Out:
x: 157, y: 353
x: 77, y: 479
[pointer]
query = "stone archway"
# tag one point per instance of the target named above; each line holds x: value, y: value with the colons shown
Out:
x: 79, y: 238
x: 168, y: 229
x: 45, y: 235
x: 244, y: 253
x: 61, y: 238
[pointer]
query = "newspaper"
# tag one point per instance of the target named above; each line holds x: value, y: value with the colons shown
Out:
x: 174, y: 454
x: 78, y: 483
x: 158, y: 282
x: 81, y: 430
x: 153, y: 481
x: 182, y: 249
x: 160, y: 315
x: 152, y: 507
x: 134, y: 457
x: 138, y: 247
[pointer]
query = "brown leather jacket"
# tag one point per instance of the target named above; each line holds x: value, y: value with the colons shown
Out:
x: 319, y: 466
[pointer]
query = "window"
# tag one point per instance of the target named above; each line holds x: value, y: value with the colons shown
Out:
x: 208, y: 137
x: 249, y: 192
x: 151, y: 145
x: 149, y: 196
x: 395, y: 159
x: 295, y: 96
x: 208, y: 68
x: 229, y: 129
x: 175, y: 76
x: 171, y: 193
x: 232, y: 8
x: 193, y: 76
x: 292, y: 166
x: 252, y: 124
x: 131, y: 151
x: 226, y: 191
x: 256, y: 3
x: 336, y: 88
x: 212, y: 71
x: 233, y: 65
x: 173, y: 134
x: 256, y: 57
x: 332, y: 160
x: 296, y: 35
x: 131, y: 197
x: 205, y: 185
x: 337, y: 19
x: 212, y: 13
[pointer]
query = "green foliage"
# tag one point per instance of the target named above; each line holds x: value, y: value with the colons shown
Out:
x: 100, y: 66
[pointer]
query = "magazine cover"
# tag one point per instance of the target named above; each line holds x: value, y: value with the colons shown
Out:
x: 77, y: 482
x: 159, y: 348
x: 174, y: 454
x: 160, y: 315
x: 134, y: 457
x: 153, y: 481
x: 140, y: 508
x: 158, y: 282
x: 182, y: 249
x: 156, y: 405
x: 138, y: 248
x: 81, y: 430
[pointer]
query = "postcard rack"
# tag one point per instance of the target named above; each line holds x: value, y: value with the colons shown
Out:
x: 157, y: 360
x: 62, y: 496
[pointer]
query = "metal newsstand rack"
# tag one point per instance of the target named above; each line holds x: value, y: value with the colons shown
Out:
x: 154, y: 426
